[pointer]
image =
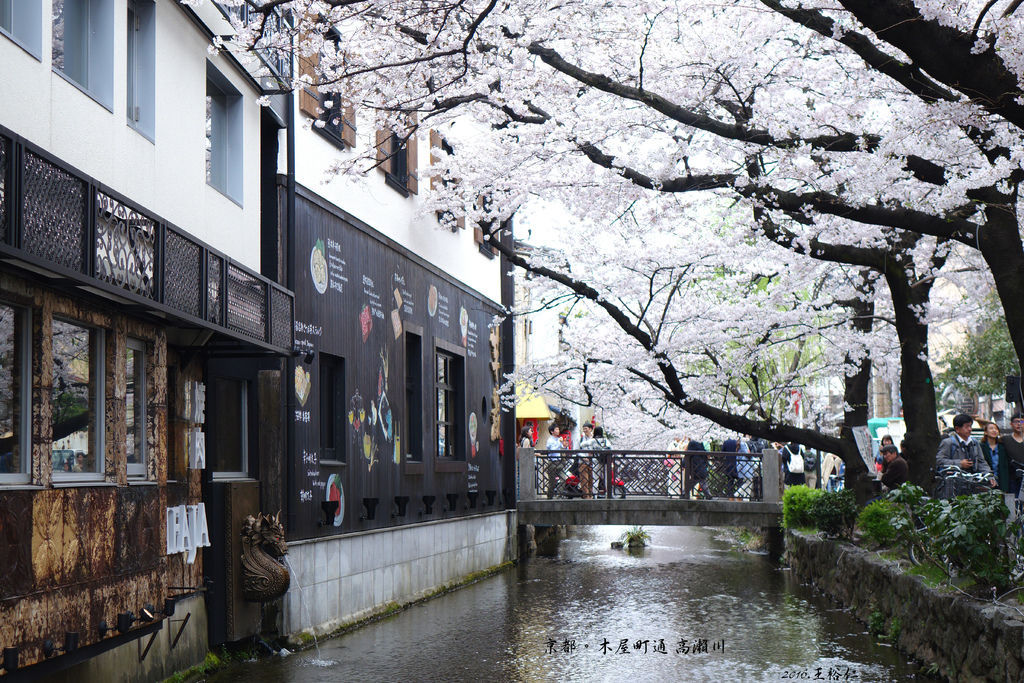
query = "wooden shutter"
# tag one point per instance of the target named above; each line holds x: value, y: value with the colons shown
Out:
x: 412, y: 183
x: 348, y: 126
x: 383, y: 151
x: 309, y: 95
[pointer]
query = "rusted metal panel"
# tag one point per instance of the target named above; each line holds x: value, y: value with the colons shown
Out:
x: 15, y: 556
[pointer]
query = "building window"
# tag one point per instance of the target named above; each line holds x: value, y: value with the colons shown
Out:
x: 77, y: 401
x: 223, y: 135
x: 414, y: 396
x: 449, y: 385
x: 397, y: 158
x: 228, y: 445
x: 23, y: 23
x: 15, y: 384
x: 331, y: 117
x: 83, y: 45
x: 135, y: 407
x: 332, y: 408
x: 141, y: 53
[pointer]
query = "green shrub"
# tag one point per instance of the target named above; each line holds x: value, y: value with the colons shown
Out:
x: 967, y: 535
x: 875, y: 523
x: 835, y: 512
x: 796, y: 506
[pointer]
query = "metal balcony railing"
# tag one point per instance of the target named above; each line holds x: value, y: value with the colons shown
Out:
x: 661, y: 474
x: 58, y: 220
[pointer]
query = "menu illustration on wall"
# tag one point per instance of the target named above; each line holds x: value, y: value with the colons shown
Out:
x: 318, y: 266
x: 335, y: 491
x: 335, y: 267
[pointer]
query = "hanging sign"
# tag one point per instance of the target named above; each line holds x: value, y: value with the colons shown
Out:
x: 187, y: 530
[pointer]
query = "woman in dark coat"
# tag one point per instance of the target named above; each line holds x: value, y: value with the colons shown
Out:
x: 995, y: 454
x: 699, y: 467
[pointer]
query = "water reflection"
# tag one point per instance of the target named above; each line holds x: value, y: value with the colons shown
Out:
x: 564, y: 618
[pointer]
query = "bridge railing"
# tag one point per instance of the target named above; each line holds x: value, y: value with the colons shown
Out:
x: 698, y: 475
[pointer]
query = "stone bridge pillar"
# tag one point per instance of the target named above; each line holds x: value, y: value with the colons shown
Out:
x: 526, y: 481
x: 771, y: 475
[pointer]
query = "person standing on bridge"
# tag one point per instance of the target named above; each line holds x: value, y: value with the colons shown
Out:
x: 554, y: 442
x: 698, y: 469
x: 586, y: 470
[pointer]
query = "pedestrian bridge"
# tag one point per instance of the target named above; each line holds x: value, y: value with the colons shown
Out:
x: 672, y: 488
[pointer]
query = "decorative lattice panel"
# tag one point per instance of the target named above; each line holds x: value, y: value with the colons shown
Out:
x: 246, y: 303
x: 53, y: 213
x: 125, y: 239
x: 281, y: 317
x: 182, y: 273
x: 4, y: 156
x: 214, y: 295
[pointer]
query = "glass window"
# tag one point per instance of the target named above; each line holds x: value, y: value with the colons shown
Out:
x: 414, y: 396
x: 14, y: 394
x: 448, y: 383
x: 77, y: 405
x: 22, y: 20
x: 227, y: 446
x: 83, y: 46
x: 135, y: 407
x: 223, y: 135
x: 332, y: 408
x: 140, y: 46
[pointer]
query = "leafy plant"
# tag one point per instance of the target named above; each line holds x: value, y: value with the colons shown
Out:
x: 796, y: 506
x: 635, y: 537
x: 967, y: 535
x: 835, y: 512
x: 875, y: 523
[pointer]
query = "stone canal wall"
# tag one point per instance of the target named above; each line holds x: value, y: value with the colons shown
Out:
x: 347, y: 578
x: 966, y: 639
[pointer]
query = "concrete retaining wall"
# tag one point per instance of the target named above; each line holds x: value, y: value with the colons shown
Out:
x: 967, y: 639
x: 346, y: 578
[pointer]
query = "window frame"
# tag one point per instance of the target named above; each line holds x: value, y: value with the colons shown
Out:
x: 140, y: 67
x: 138, y: 470
x: 457, y: 385
x: 396, y: 166
x: 414, y: 391
x: 97, y: 367
x: 97, y: 52
x: 24, y: 442
x: 26, y: 26
x: 333, y: 392
x: 225, y: 136
x: 244, y: 428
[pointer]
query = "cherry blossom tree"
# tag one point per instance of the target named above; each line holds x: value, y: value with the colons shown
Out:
x: 881, y: 134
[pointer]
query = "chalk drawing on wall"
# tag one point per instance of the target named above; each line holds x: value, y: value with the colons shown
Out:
x: 432, y: 301
x: 464, y: 324
x: 318, y: 266
x: 474, y: 445
x: 365, y: 322
x: 302, y: 384
x: 335, y: 491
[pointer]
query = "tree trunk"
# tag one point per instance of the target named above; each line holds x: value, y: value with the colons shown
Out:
x: 855, y: 393
x: 917, y: 390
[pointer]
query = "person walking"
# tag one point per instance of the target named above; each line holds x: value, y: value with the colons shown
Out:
x: 960, y: 450
x: 526, y: 437
x: 793, y: 464
x: 587, y: 461
x: 1013, y: 446
x: 995, y: 455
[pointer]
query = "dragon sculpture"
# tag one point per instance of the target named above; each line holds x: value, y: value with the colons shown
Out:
x: 264, y: 574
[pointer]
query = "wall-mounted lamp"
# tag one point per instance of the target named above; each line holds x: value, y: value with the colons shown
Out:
x: 490, y: 496
x: 453, y: 500
x: 371, y: 507
x: 49, y: 648
x: 147, y: 613
x: 428, y: 505
x: 70, y: 641
x: 330, y: 510
x: 11, y: 657
x: 471, y: 497
x: 401, y: 503
x: 125, y: 621
x: 103, y: 628
x: 169, y: 607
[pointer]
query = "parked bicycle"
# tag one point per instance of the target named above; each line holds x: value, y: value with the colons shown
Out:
x: 953, y: 481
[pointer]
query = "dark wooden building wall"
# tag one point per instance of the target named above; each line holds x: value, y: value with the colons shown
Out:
x: 366, y: 295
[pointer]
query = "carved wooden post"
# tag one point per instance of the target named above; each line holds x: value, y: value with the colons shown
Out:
x: 526, y: 464
x: 771, y: 476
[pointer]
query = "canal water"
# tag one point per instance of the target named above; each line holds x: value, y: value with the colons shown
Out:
x: 687, y: 608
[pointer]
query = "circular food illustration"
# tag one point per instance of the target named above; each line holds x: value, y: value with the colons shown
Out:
x: 463, y: 323
x: 318, y: 266
x: 472, y: 426
x: 432, y: 301
x: 334, y: 491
